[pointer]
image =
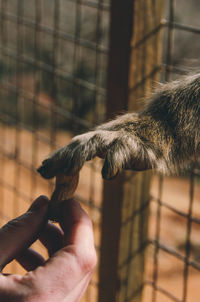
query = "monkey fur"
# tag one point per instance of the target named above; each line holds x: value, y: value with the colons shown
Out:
x: 164, y: 136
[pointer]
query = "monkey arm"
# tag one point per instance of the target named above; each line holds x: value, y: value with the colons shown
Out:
x: 164, y: 136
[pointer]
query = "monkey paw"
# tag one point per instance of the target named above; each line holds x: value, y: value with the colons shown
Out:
x: 120, y: 149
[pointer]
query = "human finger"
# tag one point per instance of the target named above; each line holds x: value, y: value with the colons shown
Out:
x: 76, y: 224
x: 52, y: 238
x: 19, y: 233
x: 30, y: 259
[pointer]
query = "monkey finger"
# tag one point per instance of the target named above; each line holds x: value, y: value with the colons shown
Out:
x: 113, y: 163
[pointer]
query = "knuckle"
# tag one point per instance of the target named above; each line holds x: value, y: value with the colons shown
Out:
x: 30, y: 284
x: 89, y: 261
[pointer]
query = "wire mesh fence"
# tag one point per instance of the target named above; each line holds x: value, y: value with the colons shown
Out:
x: 174, y: 221
x: 54, y: 57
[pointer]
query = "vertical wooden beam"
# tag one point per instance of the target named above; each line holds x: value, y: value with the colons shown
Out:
x: 121, y: 26
x: 121, y: 18
x: 134, y: 62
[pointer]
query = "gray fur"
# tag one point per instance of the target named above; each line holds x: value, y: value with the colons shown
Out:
x: 164, y: 136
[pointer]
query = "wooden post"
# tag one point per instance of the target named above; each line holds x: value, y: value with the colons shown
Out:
x: 117, y: 100
x: 133, y: 63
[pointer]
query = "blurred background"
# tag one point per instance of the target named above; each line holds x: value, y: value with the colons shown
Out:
x: 69, y: 65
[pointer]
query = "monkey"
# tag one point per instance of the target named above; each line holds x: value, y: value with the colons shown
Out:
x: 164, y: 136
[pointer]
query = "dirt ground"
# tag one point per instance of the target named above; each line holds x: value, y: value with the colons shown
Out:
x: 18, y: 186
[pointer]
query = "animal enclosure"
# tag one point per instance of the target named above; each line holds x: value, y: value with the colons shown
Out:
x: 69, y: 65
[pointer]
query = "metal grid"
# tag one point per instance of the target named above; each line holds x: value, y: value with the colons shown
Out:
x: 174, y: 224
x: 52, y: 86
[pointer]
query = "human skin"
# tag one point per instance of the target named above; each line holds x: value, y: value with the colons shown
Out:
x: 72, y: 257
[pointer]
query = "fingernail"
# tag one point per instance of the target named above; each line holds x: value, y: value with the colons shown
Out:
x: 39, y: 203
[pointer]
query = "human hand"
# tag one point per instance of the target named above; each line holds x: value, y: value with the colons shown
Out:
x: 67, y: 272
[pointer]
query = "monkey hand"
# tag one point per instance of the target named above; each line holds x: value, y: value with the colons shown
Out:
x: 117, y: 142
x: 164, y: 136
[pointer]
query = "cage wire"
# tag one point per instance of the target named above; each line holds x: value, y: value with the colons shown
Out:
x: 53, y: 58
x: 174, y: 221
x: 53, y: 64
